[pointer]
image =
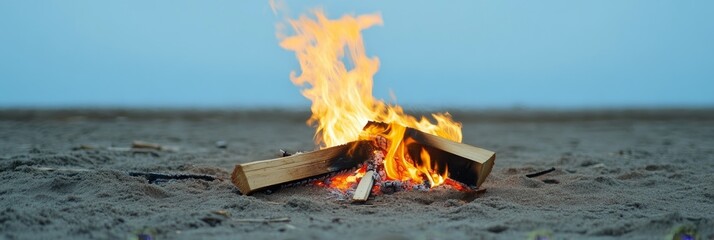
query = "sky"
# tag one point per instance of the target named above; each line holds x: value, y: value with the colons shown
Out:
x: 464, y: 54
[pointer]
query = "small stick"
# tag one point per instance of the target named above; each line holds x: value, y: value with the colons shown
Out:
x: 142, y: 144
x: 119, y: 149
x: 150, y: 151
x: 160, y: 177
x: 154, y: 146
x: 364, y: 188
x: 222, y: 213
x: 263, y: 220
x: 536, y: 174
x: 369, y: 205
x: 49, y: 169
x: 152, y: 177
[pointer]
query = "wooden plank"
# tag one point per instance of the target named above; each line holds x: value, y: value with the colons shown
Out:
x: 249, y: 177
x: 364, y: 188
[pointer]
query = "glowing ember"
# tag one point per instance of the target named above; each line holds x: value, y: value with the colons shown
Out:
x: 336, y: 74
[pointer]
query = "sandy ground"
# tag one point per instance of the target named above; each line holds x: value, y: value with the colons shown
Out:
x: 620, y: 174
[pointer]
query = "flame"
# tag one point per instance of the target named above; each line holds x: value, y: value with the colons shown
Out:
x: 401, y: 166
x: 337, y: 76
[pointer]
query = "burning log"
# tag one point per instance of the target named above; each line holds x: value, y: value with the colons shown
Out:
x: 465, y: 163
x: 249, y: 177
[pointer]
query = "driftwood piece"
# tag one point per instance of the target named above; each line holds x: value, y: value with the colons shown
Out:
x: 252, y: 176
x: 364, y: 188
x: 147, y: 145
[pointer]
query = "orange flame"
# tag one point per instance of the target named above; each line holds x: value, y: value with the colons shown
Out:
x: 337, y: 74
x: 399, y: 165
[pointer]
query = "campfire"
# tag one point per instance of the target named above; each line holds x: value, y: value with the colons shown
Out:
x: 366, y: 145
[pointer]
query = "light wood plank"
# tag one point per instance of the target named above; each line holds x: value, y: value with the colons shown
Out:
x: 252, y: 176
x: 364, y: 188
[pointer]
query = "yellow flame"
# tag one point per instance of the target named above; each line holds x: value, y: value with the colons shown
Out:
x: 336, y: 75
x: 432, y: 173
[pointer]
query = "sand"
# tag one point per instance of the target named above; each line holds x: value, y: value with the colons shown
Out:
x: 619, y: 174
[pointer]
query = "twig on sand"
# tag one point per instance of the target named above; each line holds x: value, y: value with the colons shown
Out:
x: 49, y: 169
x: 152, y: 152
x: 263, y: 220
x: 223, y: 213
x: 147, y: 145
x: 136, y: 147
x: 368, y: 205
x: 160, y: 177
x: 536, y: 174
x: 152, y: 177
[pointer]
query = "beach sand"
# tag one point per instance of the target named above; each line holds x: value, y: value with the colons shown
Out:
x: 625, y: 174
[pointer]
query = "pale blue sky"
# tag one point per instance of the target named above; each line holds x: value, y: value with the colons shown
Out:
x: 479, y: 54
